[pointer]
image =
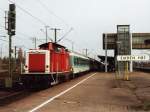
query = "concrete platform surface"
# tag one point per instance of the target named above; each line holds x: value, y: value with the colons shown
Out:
x: 94, y: 92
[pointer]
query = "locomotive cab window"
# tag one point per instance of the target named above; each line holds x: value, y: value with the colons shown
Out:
x: 57, y: 49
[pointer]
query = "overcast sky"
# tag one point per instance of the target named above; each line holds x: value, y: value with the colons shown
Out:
x: 88, y: 18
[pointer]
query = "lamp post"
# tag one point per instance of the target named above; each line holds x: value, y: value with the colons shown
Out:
x: 106, y: 53
x: 46, y: 33
x: 55, y: 32
x: 117, y: 63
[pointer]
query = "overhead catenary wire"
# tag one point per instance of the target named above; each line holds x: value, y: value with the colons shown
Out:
x: 39, y: 20
x: 11, y: 17
x: 20, y: 34
x: 65, y: 35
x: 24, y: 10
x: 21, y: 46
x: 4, y: 40
x: 4, y: 28
x: 62, y: 20
x: 18, y: 37
x: 23, y: 34
x: 52, y: 13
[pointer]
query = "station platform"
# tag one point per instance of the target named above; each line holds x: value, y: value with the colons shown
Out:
x: 93, y: 92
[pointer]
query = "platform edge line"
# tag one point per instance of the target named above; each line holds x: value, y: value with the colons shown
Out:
x: 60, y: 94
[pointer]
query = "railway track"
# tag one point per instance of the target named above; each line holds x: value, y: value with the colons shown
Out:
x: 17, y: 93
x: 13, y: 96
x: 144, y: 69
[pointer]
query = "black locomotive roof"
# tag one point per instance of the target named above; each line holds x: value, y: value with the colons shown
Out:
x: 54, y: 44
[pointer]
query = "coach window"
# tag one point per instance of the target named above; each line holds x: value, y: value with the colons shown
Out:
x: 75, y: 60
x: 83, y: 62
x: 78, y: 61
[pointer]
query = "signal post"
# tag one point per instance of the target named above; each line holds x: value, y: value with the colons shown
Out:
x: 11, y: 32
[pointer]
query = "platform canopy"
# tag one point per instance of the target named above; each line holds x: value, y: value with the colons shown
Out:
x: 139, y: 41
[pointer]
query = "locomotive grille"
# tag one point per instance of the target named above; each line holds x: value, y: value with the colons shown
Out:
x: 36, y: 62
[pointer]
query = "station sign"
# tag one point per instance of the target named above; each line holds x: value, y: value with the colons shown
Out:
x: 133, y: 58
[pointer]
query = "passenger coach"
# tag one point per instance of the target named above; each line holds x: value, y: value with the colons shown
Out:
x: 79, y: 63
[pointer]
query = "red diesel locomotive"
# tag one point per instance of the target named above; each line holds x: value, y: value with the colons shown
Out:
x: 50, y: 58
x: 46, y: 65
x: 53, y: 63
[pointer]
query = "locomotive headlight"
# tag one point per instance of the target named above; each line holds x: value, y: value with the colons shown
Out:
x: 71, y: 68
x: 26, y: 68
x: 47, y: 66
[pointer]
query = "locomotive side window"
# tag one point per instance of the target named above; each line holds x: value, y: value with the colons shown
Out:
x: 57, y: 49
